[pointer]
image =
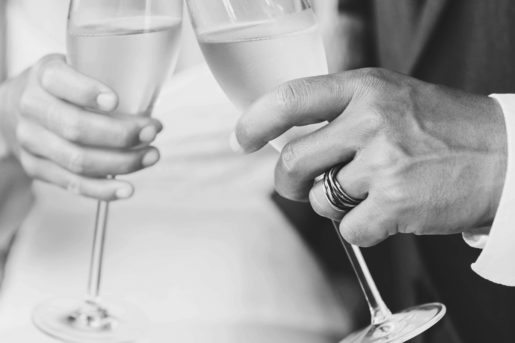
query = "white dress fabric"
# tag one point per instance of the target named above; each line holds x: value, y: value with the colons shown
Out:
x: 200, y: 248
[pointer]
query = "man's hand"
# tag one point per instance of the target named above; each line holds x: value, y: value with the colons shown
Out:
x: 426, y: 159
x: 60, y: 125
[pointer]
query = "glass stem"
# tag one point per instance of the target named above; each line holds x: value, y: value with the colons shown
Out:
x: 378, y: 309
x: 97, y: 253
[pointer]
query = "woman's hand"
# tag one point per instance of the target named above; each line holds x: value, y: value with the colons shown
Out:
x: 426, y: 159
x: 59, y: 125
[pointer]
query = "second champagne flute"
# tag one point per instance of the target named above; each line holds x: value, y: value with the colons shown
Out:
x: 130, y: 45
x: 253, y: 46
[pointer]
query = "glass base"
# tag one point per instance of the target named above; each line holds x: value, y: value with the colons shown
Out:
x: 75, y: 321
x: 400, y: 327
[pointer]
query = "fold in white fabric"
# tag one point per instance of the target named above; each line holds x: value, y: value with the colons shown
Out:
x: 497, y: 260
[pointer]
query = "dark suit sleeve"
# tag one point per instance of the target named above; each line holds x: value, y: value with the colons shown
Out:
x: 361, y: 7
x: 348, y: 37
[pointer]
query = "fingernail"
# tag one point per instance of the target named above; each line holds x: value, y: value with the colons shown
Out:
x: 235, y: 145
x: 148, y: 134
x: 159, y: 126
x: 106, y: 101
x: 150, y: 158
x: 124, y: 193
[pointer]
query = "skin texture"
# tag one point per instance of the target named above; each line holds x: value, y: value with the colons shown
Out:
x: 426, y: 159
x: 59, y: 124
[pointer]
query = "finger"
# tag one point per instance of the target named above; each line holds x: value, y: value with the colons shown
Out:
x: 89, y: 162
x: 101, y: 189
x: 64, y: 82
x: 321, y: 204
x: 296, y: 103
x: 304, y: 159
x: 367, y: 225
x: 355, y: 179
x: 86, y: 128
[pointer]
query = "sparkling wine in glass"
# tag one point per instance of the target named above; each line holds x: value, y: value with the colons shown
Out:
x: 252, y: 46
x: 130, y: 45
x: 260, y: 48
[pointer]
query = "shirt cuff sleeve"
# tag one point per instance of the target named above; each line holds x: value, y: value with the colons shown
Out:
x: 477, y: 238
x: 497, y: 260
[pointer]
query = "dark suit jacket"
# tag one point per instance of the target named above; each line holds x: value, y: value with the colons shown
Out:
x: 465, y: 44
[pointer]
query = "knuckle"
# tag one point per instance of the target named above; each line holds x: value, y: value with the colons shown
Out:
x: 47, y: 67
x: 25, y: 103
x: 71, y: 127
x: 290, y: 161
x: 48, y: 75
x: 374, y: 75
x: 369, y: 122
x: 375, y: 119
x: 396, y: 196
x: 369, y: 80
x: 76, y: 161
x: 74, y: 185
x: 28, y: 164
x: 51, y: 110
x: 381, y: 158
x: 49, y: 60
x: 27, y: 138
x: 394, y: 155
x: 72, y: 134
x: 290, y: 95
x: 22, y: 134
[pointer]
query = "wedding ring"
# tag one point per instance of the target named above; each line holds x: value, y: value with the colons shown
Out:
x: 335, y: 193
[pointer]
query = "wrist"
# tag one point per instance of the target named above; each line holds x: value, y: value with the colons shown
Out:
x: 495, y: 186
x: 498, y: 164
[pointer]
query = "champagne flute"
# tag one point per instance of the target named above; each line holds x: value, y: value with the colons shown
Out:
x: 130, y: 45
x: 252, y: 46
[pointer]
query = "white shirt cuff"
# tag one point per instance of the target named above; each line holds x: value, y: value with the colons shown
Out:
x: 477, y: 238
x: 497, y: 260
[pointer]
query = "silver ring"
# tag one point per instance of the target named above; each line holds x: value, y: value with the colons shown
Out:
x: 335, y: 193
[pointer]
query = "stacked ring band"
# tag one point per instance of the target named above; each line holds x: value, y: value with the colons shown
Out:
x: 335, y: 193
